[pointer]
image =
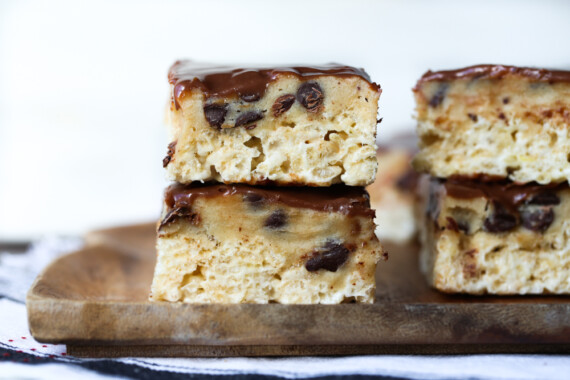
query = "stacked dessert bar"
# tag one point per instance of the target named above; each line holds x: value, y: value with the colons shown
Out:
x: 268, y: 203
x: 494, y: 141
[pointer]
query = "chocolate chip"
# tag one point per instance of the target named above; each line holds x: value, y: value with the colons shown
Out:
x: 537, y: 220
x: 310, y: 95
x: 473, y: 117
x: 282, y: 104
x: 457, y: 226
x: 248, y: 117
x: 180, y: 212
x: 547, y: 198
x: 452, y: 224
x: 463, y: 226
x: 216, y: 114
x: 500, y: 220
x: 329, y: 257
x: 276, y: 220
x: 439, y: 95
x: 169, y: 153
x: 253, y: 199
x: 502, y: 116
x: 250, y: 97
x: 506, y: 100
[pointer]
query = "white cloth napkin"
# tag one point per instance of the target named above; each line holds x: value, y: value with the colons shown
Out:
x: 17, y: 272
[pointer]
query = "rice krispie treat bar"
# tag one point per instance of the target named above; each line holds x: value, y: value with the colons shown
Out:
x: 242, y: 244
x: 495, y: 237
x: 310, y: 126
x: 495, y: 141
x: 502, y: 121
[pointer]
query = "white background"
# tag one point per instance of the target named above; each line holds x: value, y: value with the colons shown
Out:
x: 83, y: 84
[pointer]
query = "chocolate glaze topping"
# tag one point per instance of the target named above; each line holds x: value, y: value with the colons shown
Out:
x: 507, y: 193
x: 247, y: 83
x: 495, y: 72
x: 338, y: 198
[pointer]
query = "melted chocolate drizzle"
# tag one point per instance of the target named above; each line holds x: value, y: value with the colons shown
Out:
x: 495, y: 72
x: 248, y: 84
x: 338, y: 198
x: 509, y: 194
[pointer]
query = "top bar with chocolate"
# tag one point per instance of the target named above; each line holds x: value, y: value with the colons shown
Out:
x: 309, y: 126
x: 495, y: 121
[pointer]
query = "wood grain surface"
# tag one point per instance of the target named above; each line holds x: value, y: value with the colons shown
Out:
x: 95, y: 300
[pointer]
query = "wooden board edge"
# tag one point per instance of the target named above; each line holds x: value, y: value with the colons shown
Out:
x: 98, y: 351
x: 60, y: 323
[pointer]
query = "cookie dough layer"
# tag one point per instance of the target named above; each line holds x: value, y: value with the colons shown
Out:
x: 312, y: 126
x: 495, y: 238
x: 242, y: 244
x: 495, y: 120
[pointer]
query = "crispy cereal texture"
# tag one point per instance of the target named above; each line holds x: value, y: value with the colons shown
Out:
x: 231, y: 250
x: 511, y: 126
x: 287, y: 144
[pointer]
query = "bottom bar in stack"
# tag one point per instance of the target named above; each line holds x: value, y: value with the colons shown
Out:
x: 242, y: 244
x: 495, y: 237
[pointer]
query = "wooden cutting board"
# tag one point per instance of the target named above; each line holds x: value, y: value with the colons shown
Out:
x: 95, y: 301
